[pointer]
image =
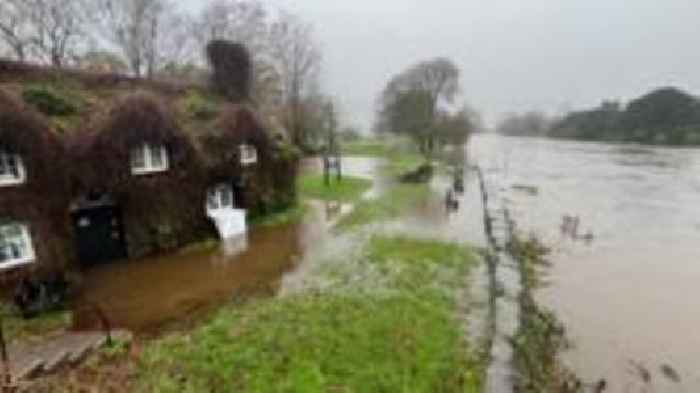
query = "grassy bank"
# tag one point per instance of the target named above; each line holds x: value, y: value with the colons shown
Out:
x: 398, y: 334
x: 391, y: 204
x: 312, y: 186
x: 401, y: 154
x: 541, y: 337
x: 16, y: 328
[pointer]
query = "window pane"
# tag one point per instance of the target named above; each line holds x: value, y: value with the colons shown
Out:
x: 212, y: 200
x: 13, y: 166
x: 157, y: 153
x: 138, y: 159
x: 226, y: 197
x: 13, y: 243
x: 5, y: 253
x: 17, y: 249
x: 4, y: 167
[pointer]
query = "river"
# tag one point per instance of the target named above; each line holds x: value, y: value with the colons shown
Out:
x: 627, y: 293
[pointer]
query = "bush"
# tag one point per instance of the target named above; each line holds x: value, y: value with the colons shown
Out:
x: 48, y: 102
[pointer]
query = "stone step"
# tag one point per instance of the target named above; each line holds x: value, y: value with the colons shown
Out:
x: 28, y: 369
x: 29, y: 361
x: 53, y: 362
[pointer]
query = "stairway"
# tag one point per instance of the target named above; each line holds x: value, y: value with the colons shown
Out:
x: 29, y: 361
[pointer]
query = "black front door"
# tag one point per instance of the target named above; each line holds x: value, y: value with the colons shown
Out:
x: 99, y: 235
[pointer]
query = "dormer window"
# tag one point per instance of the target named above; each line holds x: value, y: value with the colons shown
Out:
x: 249, y: 155
x: 149, y: 158
x: 11, y: 169
x: 15, y: 245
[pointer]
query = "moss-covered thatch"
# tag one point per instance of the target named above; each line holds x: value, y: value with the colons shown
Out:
x: 132, y: 120
x: 40, y: 201
x: 161, y: 210
x: 74, y: 157
x: 237, y: 125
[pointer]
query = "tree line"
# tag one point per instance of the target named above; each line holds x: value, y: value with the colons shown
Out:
x: 155, y: 39
x: 665, y: 116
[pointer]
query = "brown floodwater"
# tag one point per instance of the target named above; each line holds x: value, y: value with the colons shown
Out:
x: 627, y: 294
x: 147, y: 294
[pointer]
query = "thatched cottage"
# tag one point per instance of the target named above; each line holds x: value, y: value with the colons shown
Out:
x: 98, y: 167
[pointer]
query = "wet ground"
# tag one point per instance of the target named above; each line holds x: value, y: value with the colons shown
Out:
x: 144, y: 294
x: 627, y: 293
x: 147, y: 294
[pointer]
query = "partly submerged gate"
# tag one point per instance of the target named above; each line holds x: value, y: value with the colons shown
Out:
x: 99, y: 232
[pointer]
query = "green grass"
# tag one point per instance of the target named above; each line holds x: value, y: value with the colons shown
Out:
x: 16, y: 328
x: 401, y: 154
x: 395, y: 201
x: 401, y: 337
x: 286, y: 216
x: 347, y: 190
x: 365, y: 148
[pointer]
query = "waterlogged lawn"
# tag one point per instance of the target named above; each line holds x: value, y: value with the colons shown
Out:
x: 312, y: 186
x: 401, y: 155
x: 366, y: 148
x: 398, y: 335
x: 391, y: 204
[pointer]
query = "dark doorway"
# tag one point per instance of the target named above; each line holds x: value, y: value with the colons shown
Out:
x: 99, y: 234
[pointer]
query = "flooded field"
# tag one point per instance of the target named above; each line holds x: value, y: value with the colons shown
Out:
x: 626, y: 285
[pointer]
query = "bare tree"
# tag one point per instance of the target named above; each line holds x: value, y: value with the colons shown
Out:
x: 245, y: 22
x: 297, y: 58
x: 149, y: 33
x: 49, y: 30
x: 242, y: 21
x: 15, y: 28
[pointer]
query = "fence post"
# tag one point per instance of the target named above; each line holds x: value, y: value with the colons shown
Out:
x: 7, y: 374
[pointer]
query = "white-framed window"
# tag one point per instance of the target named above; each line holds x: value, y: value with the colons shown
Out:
x: 249, y: 154
x: 15, y: 245
x: 11, y: 169
x: 148, y: 159
x: 220, y: 197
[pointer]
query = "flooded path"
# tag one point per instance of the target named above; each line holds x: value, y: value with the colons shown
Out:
x: 144, y: 294
x: 626, y: 289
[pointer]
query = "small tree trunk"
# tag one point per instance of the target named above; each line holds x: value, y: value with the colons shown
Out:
x: 326, y: 171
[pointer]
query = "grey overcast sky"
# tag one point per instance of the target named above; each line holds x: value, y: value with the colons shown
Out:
x: 515, y: 55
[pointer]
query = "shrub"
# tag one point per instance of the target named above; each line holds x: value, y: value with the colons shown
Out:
x: 48, y: 102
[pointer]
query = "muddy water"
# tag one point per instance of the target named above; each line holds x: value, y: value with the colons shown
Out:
x: 148, y: 293
x: 629, y: 295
